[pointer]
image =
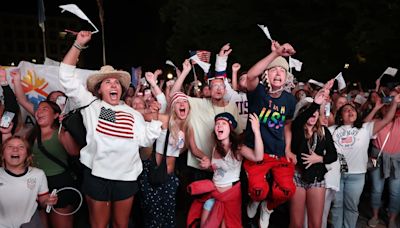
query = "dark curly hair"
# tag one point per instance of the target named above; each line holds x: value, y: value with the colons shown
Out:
x: 339, y: 120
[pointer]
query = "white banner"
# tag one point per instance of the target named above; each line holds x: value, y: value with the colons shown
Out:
x: 39, y: 80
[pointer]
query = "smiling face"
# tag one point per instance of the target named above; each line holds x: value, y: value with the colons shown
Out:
x: 15, y: 153
x: 222, y: 129
x: 349, y: 115
x: 45, y: 115
x: 276, y: 77
x: 110, y: 90
x: 181, y: 108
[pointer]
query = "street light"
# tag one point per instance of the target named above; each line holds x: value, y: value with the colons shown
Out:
x: 170, y: 76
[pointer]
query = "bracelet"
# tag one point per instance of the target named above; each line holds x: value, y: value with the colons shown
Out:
x: 79, y: 47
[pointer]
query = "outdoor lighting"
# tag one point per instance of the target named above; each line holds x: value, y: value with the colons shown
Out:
x: 34, y: 60
x: 12, y: 64
x: 170, y: 76
x: 200, y: 84
x: 346, y: 66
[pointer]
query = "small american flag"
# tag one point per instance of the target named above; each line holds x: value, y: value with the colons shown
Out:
x: 346, y: 140
x: 117, y: 124
x: 204, y: 56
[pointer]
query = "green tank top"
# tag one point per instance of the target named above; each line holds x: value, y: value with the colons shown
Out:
x: 54, y: 147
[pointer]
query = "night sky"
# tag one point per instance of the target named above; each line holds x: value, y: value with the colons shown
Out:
x: 135, y: 35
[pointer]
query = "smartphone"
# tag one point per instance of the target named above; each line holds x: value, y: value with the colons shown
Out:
x: 6, y: 119
x: 328, y: 109
x: 387, y: 99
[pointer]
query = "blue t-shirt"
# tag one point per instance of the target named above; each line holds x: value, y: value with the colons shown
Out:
x: 272, y: 112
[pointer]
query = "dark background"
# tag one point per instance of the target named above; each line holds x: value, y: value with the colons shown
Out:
x: 326, y: 34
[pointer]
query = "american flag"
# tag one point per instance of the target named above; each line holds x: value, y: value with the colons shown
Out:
x: 204, y: 56
x: 115, y: 123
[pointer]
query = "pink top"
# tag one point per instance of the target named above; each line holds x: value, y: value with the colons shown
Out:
x: 393, y: 143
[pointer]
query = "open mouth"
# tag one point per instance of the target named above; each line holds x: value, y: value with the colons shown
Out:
x: 113, y: 95
x: 182, y: 111
x: 14, y: 156
x: 277, y: 80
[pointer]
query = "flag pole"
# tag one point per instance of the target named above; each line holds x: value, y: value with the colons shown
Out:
x: 103, y: 38
x: 194, y: 71
x: 44, y: 42
x: 41, y: 20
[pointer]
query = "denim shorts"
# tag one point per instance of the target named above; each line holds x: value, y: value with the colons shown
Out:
x: 208, y: 205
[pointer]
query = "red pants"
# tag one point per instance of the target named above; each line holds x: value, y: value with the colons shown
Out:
x: 282, y: 188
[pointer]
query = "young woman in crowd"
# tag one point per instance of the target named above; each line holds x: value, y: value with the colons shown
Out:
x: 388, y: 169
x: 22, y: 187
x: 46, y: 138
x: 351, y: 137
x: 115, y: 132
x: 159, y: 201
x: 226, y: 160
x: 313, y: 145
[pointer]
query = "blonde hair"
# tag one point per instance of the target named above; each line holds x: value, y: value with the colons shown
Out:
x: 174, y: 127
x: 29, y: 157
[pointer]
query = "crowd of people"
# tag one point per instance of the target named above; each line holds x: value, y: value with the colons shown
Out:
x: 251, y: 142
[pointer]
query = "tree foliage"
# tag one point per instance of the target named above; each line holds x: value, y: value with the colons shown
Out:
x: 325, y: 33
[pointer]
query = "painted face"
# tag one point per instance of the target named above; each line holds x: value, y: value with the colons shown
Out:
x: 181, y: 108
x: 217, y: 88
x: 313, y: 119
x: 45, y: 115
x: 222, y: 129
x: 277, y: 77
x: 111, y: 90
x: 349, y: 115
x: 15, y: 153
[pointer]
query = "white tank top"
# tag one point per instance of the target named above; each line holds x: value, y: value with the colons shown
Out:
x: 226, y: 170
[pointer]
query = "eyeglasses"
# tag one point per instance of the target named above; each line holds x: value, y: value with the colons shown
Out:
x: 218, y: 86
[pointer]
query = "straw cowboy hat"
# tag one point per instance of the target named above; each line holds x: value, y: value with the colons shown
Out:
x: 105, y: 72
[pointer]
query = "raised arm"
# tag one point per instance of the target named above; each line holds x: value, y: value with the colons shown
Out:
x: 82, y: 38
x: 259, y: 68
x: 19, y: 92
x: 379, y: 124
x: 258, y: 153
x: 179, y: 81
x: 235, y: 70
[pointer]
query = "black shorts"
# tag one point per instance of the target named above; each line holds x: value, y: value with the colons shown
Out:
x: 59, y: 181
x: 101, y: 189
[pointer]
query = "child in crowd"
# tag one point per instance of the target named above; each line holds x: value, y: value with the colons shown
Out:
x: 22, y: 187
